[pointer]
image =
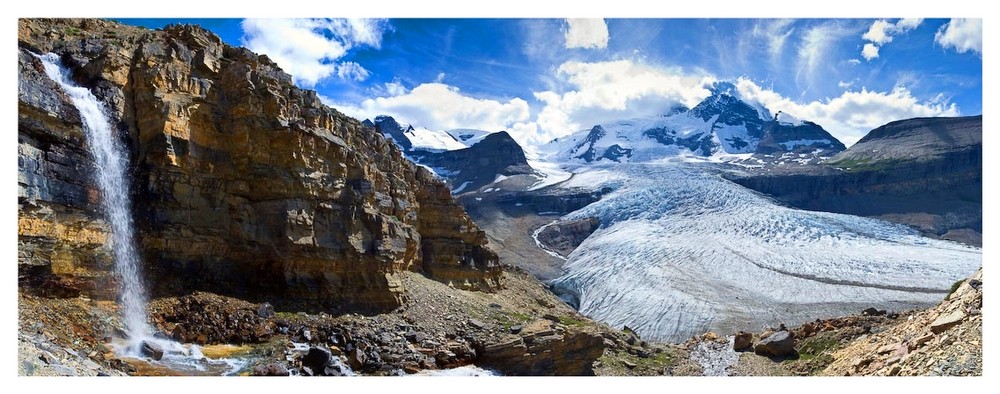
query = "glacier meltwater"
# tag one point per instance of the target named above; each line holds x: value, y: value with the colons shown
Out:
x: 111, y: 162
x: 682, y: 251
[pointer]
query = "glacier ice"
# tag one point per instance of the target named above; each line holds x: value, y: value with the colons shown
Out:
x: 682, y: 251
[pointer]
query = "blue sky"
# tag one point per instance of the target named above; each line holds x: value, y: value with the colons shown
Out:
x: 545, y: 78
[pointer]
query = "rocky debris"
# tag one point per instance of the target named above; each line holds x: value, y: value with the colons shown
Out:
x: 318, y: 358
x: 742, y: 341
x: 779, y: 344
x: 544, y: 348
x: 207, y: 318
x: 944, y: 340
x: 477, y: 323
x: 151, y: 350
x: 272, y: 369
x: 327, y: 217
x: 946, y: 321
x: 714, y: 354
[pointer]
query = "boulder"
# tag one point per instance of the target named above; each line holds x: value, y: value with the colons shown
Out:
x: 272, y: 369
x: 779, y: 344
x: 151, y: 350
x: 742, y: 341
x: 317, y: 359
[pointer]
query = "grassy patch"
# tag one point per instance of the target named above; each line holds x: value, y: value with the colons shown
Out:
x: 815, y: 354
x: 572, y: 321
x: 72, y: 31
x: 655, y: 364
x: 954, y: 288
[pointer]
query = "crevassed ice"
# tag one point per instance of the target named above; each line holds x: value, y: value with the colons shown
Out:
x: 682, y: 251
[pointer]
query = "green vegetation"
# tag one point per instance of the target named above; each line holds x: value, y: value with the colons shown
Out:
x: 815, y: 353
x: 572, y: 321
x: 954, y: 288
x: 655, y: 364
x: 72, y: 31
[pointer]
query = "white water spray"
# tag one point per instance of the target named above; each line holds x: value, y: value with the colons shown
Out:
x: 111, y: 161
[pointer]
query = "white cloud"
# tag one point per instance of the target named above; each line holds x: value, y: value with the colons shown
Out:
x: 308, y: 49
x: 439, y: 106
x: 586, y: 33
x: 845, y: 85
x: 869, y: 52
x: 854, y: 113
x: 352, y: 71
x: 605, y: 91
x: 775, y: 33
x: 814, y: 49
x: 963, y: 35
x: 854, y: 62
x: 881, y: 33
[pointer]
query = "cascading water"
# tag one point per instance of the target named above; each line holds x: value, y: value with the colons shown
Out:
x: 111, y: 161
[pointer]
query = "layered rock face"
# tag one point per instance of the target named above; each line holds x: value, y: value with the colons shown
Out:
x: 244, y: 184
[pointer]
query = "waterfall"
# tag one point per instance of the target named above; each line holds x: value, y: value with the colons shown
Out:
x: 111, y: 164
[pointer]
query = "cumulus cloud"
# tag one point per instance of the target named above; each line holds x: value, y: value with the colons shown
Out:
x: 869, y: 52
x: 854, y: 113
x: 352, y: 71
x: 586, y: 33
x: 881, y: 33
x: 308, y: 49
x: 439, y: 106
x: 604, y: 91
x: 964, y: 35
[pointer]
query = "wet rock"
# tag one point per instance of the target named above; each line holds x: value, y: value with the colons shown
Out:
x: 317, y: 359
x: 151, y: 350
x: 742, y: 341
x: 779, y: 344
x: 272, y: 369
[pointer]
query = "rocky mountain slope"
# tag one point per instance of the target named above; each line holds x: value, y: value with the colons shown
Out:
x: 471, y: 160
x: 243, y: 183
x: 924, y: 172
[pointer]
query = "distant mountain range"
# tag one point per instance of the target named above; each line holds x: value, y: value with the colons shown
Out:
x: 722, y: 124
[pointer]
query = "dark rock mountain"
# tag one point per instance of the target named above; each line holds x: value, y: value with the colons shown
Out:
x: 924, y: 172
x: 243, y: 184
x: 495, y: 155
x: 388, y: 126
x: 802, y: 137
x: 918, y: 139
x: 731, y: 111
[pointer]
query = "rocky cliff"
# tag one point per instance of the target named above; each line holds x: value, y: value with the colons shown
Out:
x: 243, y: 184
x: 925, y: 173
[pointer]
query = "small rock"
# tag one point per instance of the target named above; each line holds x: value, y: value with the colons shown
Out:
x: 779, y: 344
x: 629, y: 364
x: 272, y: 369
x: 306, y: 334
x: 873, y: 312
x: 709, y: 336
x: 975, y: 283
x: 742, y: 341
x: 265, y: 310
x: 895, y: 370
x: 151, y: 350
x: 477, y: 323
x: 516, y: 329
x: 887, y: 348
x: 549, y: 316
x: 944, y: 322
x: 495, y: 306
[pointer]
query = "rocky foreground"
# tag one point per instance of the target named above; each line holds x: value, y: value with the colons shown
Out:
x: 522, y: 330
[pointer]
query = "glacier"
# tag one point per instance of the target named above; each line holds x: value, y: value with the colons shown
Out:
x: 682, y: 251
